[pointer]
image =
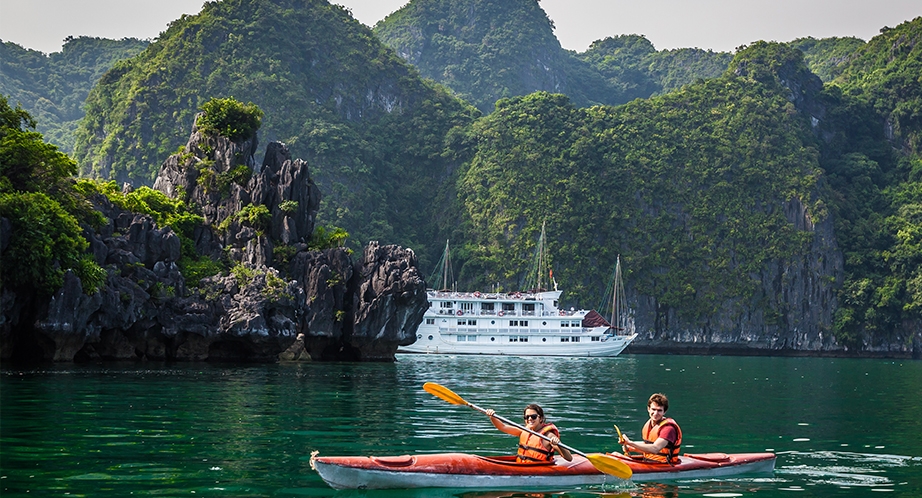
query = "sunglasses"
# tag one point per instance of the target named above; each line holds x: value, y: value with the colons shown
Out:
x: 533, y: 416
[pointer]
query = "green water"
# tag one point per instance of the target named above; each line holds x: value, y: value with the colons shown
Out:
x: 846, y: 428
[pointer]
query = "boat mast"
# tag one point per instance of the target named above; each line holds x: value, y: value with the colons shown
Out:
x: 534, y: 280
x: 443, y: 270
x: 542, y: 259
x: 618, y: 303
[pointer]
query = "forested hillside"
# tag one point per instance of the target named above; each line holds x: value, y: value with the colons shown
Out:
x: 52, y: 87
x: 487, y: 50
x: 876, y: 171
x: 368, y: 125
x: 690, y: 188
x: 827, y: 56
x: 636, y: 69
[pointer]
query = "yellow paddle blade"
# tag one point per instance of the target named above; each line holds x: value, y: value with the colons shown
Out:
x: 443, y: 392
x: 610, y: 465
x: 620, y: 436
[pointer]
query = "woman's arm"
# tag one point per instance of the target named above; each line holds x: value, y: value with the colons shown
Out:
x: 508, y: 429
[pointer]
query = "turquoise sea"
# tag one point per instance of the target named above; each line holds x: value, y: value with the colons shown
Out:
x: 840, y: 427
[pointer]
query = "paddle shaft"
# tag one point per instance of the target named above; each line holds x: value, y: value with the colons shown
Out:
x: 526, y: 429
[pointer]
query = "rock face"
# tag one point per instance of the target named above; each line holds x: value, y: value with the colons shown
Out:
x: 290, y: 303
x: 790, y: 313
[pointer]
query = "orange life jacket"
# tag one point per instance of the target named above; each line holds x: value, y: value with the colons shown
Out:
x: 670, y: 453
x: 531, y: 447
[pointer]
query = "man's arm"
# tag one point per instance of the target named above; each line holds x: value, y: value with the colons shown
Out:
x: 655, y: 447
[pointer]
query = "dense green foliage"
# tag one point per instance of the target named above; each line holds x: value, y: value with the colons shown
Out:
x: 487, y: 50
x: 879, y: 195
x: 230, y: 118
x: 371, y: 129
x: 38, y: 199
x: 53, y: 87
x: 636, y: 69
x: 826, y: 57
x: 689, y: 187
x: 327, y: 238
x: 887, y: 72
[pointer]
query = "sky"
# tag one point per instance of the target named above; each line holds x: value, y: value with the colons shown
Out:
x: 719, y: 25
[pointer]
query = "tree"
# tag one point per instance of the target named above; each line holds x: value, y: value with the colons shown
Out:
x: 39, y: 202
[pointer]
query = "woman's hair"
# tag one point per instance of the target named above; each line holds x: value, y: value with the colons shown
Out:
x: 536, y: 408
x: 659, y: 399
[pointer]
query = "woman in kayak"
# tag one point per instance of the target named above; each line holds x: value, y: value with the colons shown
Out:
x: 531, y: 447
x: 662, y: 436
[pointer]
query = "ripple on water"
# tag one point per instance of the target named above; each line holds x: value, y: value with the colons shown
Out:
x: 842, y: 469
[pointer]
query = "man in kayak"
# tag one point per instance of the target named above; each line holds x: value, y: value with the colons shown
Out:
x: 531, y: 447
x: 662, y: 436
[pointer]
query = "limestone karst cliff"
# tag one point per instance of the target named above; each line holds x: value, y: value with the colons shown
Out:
x: 309, y: 304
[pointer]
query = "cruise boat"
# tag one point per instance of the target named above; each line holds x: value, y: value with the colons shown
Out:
x: 519, y: 324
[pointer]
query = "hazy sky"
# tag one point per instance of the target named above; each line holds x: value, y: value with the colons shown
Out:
x: 721, y: 25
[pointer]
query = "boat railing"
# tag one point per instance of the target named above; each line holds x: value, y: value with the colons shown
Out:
x: 514, y: 296
x: 501, y: 313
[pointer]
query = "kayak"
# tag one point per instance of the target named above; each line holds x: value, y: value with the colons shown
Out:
x: 464, y: 470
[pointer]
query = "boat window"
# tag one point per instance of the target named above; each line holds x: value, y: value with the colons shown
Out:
x: 508, y: 306
x: 518, y: 338
x: 467, y: 306
x: 595, y: 338
x: 487, y: 306
x: 430, y: 321
x: 575, y: 339
x: 445, y: 304
x: 564, y: 339
x: 565, y: 324
x: 430, y: 337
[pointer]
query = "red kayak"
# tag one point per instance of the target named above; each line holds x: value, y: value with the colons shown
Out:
x: 463, y: 470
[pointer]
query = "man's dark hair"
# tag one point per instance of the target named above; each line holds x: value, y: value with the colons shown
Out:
x: 661, y: 400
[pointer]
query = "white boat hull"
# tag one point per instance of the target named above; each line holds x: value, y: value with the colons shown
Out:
x: 610, y: 346
x: 517, y: 324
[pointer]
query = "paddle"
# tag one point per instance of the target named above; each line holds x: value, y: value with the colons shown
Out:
x: 604, y: 463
